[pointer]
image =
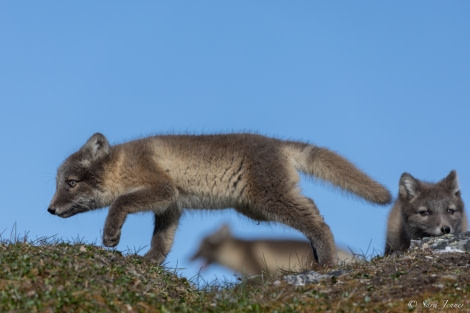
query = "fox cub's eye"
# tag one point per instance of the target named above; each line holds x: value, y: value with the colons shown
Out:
x: 425, y: 212
x: 72, y: 183
x: 450, y: 211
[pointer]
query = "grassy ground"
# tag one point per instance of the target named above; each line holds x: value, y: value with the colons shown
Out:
x: 46, y: 276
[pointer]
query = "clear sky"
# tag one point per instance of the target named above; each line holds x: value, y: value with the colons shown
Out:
x: 385, y: 84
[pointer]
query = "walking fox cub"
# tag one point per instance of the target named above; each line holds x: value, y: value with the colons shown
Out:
x: 254, y: 174
x: 423, y: 210
x: 255, y: 257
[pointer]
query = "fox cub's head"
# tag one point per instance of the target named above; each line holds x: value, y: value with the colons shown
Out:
x: 79, y: 178
x: 432, y: 209
x: 212, y: 246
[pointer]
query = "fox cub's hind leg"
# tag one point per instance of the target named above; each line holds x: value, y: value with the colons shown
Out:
x: 302, y: 214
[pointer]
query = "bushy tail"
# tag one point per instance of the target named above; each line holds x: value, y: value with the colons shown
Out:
x: 329, y: 166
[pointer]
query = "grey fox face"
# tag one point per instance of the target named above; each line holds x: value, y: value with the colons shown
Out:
x: 431, y: 209
x: 78, y: 179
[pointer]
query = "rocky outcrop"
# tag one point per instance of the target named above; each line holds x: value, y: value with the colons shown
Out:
x: 310, y: 277
x: 445, y: 243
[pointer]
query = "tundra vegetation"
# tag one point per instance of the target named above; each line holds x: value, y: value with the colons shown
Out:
x: 51, y: 275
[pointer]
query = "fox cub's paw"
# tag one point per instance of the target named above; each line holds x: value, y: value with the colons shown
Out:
x: 154, y: 255
x: 111, y: 239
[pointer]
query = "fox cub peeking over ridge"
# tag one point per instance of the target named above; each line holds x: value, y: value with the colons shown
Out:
x: 256, y: 257
x: 423, y: 210
x: 255, y: 175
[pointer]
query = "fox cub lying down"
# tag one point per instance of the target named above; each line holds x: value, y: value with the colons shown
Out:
x: 255, y: 257
x: 423, y: 210
x: 255, y: 175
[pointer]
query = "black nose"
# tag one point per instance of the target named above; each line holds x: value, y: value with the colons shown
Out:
x: 445, y: 229
x: 51, y: 210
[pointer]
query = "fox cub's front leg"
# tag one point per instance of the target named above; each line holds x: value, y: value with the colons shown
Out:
x: 156, y: 198
x: 113, y: 225
x: 163, y: 234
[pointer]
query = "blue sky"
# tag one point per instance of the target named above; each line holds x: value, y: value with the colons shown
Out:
x: 386, y: 85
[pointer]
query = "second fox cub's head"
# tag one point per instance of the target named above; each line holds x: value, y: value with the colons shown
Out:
x: 432, y: 209
x: 79, y: 179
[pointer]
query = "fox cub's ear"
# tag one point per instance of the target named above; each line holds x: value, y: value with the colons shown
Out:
x: 452, y: 183
x: 409, y: 186
x: 96, y: 148
x: 224, y: 231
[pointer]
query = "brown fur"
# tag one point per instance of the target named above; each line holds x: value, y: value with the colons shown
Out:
x: 257, y: 257
x: 255, y: 175
x: 425, y: 209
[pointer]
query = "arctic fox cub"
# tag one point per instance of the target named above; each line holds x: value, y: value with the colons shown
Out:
x: 260, y: 256
x: 255, y: 175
